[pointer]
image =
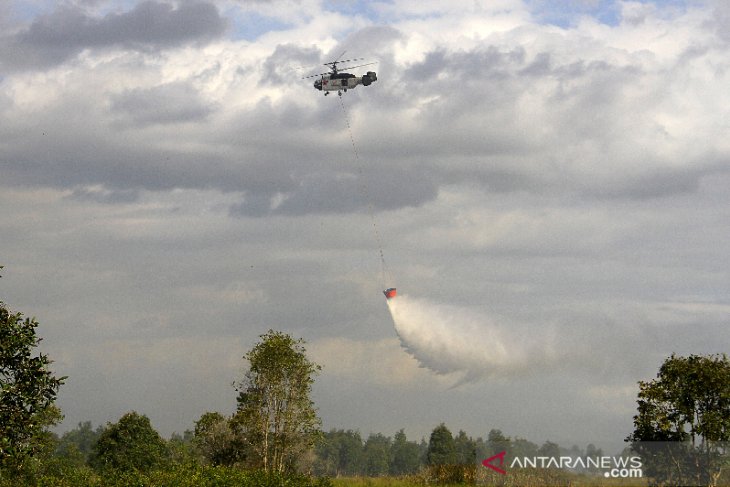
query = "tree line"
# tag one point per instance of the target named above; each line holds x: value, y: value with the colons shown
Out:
x: 345, y: 453
x: 132, y: 442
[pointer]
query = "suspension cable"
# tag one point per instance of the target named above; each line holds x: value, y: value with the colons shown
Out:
x: 366, y: 195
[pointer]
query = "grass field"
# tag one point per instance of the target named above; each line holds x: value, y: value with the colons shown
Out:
x: 512, y: 479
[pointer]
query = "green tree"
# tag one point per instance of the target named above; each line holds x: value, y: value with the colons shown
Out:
x: 593, y: 451
x: 466, y: 449
x: 182, y: 448
x: 549, y: 449
x: 406, y: 455
x: 77, y: 444
x: 441, y: 448
x: 218, y: 441
x: 688, y: 404
x: 28, y: 391
x: 340, y: 452
x: 274, y: 406
x: 131, y: 444
x: 520, y: 447
x: 377, y: 455
x: 497, y: 442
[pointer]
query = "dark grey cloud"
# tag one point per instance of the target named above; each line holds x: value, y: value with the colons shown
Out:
x: 475, y: 65
x: 494, y: 117
x: 534, y: 122
x: 288, y: 62
x: 169, y: 103
x: 390, y: 189
x: 104, y: 196
x: 150, y: 26
x: 720, y: 19
x: 651, y: 185
x: 371, y: 42
x: 295, y: 158
x: 71, y: 159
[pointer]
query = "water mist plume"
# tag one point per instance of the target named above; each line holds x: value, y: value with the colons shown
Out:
x: 451, y: 340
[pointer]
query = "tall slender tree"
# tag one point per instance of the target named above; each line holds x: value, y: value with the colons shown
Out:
x: 274, y: 405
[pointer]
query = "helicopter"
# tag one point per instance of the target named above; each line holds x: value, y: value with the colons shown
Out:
x: 338, y: 81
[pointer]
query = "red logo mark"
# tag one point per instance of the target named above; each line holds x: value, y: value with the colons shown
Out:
x: 488, y: 462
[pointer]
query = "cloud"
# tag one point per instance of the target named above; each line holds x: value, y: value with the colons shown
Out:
x: 175, y: 102
x: 286, y: 60
x: 720, y: 17
x: 341, y: 192
x: 533, y: 109
x: 150, y: 26
x: 105, y: 196
x: 380, y: 362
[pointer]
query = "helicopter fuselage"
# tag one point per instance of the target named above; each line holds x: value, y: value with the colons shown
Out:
x: 343, y: 81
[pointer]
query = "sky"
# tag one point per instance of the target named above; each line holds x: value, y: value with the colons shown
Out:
x: 546, y: 182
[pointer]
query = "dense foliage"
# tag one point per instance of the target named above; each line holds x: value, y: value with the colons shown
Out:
x: 688, y: 401
x: 185, y: 460
x: 27, y: 391
x: 441, y: 447
x: 687, y: 407
x: 218, y: 440
x: 131, y: 444
x: 344, y: 453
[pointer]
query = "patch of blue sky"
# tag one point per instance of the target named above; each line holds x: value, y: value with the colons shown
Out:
x: 356, y: 8
x: 26, y: 11
x: 249, y: 25
x: 566, y: 13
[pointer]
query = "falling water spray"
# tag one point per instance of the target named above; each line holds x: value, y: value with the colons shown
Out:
x: 451, y: 340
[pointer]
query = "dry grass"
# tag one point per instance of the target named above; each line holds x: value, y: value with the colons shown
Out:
x: 531, y: 478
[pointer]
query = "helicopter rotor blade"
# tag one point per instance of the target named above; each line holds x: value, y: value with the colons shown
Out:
x: 334, y: 63
x: 338, y: 61
x: 358, y: 66
x: 314, y: 75
x: 334, y: 69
